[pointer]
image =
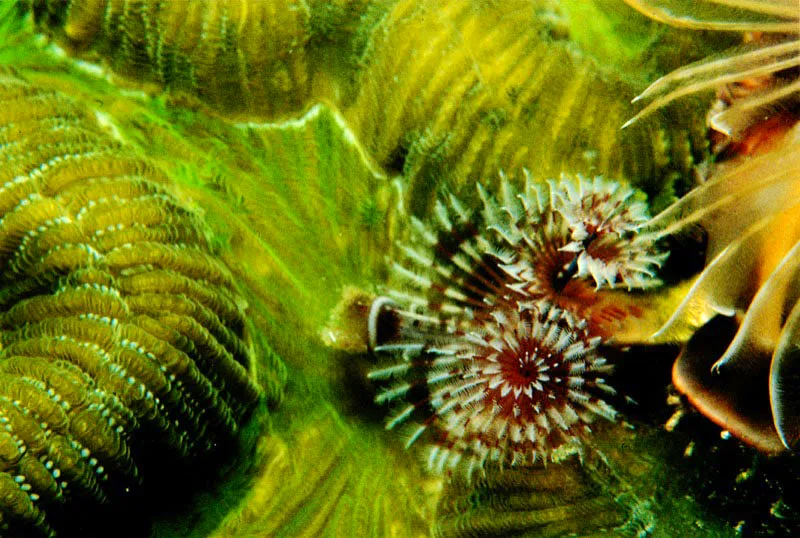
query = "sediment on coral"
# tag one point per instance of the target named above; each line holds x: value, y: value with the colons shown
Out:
x: 124, y: 340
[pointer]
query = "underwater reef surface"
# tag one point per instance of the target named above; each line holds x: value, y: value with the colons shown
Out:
x: 280, y: 151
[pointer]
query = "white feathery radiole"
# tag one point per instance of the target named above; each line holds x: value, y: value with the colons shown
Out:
x: 493, y: 371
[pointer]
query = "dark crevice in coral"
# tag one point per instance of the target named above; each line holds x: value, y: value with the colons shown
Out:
x: 687, y: 255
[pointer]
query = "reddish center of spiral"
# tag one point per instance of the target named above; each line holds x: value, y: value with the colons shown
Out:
x: 531, y: 377
x: 576, y: 295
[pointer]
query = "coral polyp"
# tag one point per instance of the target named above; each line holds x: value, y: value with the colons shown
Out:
x: 498, y: 317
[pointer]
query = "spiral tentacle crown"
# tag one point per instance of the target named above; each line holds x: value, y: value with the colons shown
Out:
x: 500, y: 360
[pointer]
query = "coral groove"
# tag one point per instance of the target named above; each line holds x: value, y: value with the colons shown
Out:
x: 235, y: 55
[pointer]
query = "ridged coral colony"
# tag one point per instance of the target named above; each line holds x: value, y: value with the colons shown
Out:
x: 230, y: 54
x: 125, y: 332
x: 122, y: 336
x: 494, y: 313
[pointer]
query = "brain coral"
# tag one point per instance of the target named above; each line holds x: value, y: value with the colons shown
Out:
x: 122, y: 335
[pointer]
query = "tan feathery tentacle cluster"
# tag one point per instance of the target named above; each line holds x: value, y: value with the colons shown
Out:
x: 497, y: 324
x: 748, y: 209
x: 121, y: 333
x: 761, y: 75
